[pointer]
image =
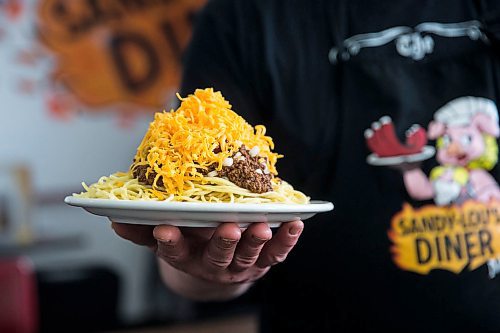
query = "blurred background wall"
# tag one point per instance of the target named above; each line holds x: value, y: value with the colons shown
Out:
x: 79, y: 83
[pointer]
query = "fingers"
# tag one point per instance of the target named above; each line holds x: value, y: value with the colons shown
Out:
x: 138, y: 234
x: 276, y: 250
x: 249, y: 247
x: 225, y: 253
x: 220, y: 249
x: 172, y: 246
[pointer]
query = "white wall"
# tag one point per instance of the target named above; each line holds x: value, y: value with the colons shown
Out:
x: 61, y: 153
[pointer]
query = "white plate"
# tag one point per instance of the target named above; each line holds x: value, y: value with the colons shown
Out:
x: 194, y: 214
x: 426, y: 153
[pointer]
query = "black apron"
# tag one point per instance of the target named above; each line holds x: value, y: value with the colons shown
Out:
x: 372, y: 268
x: 398, y: 252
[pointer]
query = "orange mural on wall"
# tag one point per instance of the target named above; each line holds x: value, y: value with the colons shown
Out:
x: 117, y: 51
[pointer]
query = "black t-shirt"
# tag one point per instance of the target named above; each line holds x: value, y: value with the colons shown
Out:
x: 412, y: 241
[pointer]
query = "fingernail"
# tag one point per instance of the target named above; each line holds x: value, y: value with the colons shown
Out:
x: 259, y: 240
x: 168, y: 241
x: 164, y: 240
x: 227, y: 243
x: 294, y: 231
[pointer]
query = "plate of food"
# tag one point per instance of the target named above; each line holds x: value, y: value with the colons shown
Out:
x: 200, y: 165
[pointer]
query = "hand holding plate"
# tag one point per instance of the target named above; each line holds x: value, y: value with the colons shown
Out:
x: 214, y: 263
x: 226, y: 254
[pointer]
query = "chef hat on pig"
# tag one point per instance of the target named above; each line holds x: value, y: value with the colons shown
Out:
x: 461, y: 111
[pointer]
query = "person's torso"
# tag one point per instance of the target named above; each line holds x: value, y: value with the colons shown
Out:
x: 408, y: 246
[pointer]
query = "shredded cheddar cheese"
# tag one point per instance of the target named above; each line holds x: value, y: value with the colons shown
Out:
x: 203, y: 131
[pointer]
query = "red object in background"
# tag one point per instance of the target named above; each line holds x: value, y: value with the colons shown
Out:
x: 382, y: 140
x: 61, y: 105
x: 14, y: 9
x: 18, y: 296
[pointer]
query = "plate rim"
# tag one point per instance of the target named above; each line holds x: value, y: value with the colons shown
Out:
x: 315, y: 206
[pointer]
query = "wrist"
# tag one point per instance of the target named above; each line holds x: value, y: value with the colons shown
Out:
x: 198, y: 289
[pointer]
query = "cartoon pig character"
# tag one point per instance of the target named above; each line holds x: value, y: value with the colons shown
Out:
x: 466, y: 130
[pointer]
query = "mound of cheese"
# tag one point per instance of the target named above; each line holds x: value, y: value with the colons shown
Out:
x: 203, y: 131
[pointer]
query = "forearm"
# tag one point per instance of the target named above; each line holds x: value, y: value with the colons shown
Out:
x: 198, y: 289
